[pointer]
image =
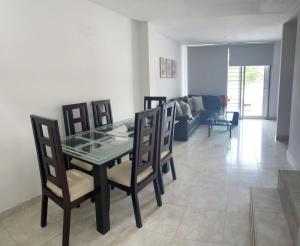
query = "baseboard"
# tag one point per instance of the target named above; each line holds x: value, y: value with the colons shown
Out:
x: 292, y: 160
x: 271, y: 118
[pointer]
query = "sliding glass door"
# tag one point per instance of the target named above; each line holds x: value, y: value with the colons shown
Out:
x: 247, y: 90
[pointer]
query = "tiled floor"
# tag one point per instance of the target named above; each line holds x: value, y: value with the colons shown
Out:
x: 208, y: 205
x: 270, y: 223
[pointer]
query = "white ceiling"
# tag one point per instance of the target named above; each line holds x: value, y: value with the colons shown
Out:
x: 210, y: 21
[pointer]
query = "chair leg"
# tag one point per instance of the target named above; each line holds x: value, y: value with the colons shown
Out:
x: 136, y: 208
x: 157, y: 192
x: 66, y: 227
x: 44, y: 210
x: 173, y: 168
x: 165, y: 167
x: 160, y: 181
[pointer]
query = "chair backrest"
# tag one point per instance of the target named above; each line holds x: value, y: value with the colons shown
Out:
x: 146, y: 141
x: 49, y: 152
x: 149, y: 101
x: 76, y: 118
x: 102, y: 113
x: 167, y: 126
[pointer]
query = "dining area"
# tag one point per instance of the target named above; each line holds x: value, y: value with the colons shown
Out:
x: 92, y: 162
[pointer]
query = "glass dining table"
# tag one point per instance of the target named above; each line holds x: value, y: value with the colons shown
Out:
x: 99, y: 147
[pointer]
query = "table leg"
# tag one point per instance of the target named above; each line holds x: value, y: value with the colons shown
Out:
x: 230, y: 131
x: 102, y: 198
x: 209, y: 127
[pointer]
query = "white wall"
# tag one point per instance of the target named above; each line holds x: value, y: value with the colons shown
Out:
x: 184, y: 70
x: 274, y: 84
x: 207, y: 70
x: 56, y: 52
x: 294, y: 134
x: 286, y: 79
x: 161, y: 46
x: 140, y: 63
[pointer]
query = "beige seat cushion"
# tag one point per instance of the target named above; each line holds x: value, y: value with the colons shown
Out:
x: 164, y: 154
x: 79, y: 184
x: 121, y: 174
x: 85, y: 166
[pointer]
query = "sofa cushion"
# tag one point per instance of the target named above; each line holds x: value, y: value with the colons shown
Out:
x: 196, y: 114
x: 212, y: 103
x: 186, y: 110
x: 178, y: 109
x: 190, y: 102
x: 198, y: 103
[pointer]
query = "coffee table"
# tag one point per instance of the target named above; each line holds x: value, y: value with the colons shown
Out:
x: 220, y: 119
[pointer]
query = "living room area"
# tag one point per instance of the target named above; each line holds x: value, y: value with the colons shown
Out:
x: 226, y: 84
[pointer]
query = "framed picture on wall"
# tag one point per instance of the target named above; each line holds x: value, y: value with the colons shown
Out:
x: 173, y: 69
x: 169, y: 68
x: 163, y: 67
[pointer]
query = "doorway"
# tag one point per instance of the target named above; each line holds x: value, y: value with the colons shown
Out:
x: 247, y: 90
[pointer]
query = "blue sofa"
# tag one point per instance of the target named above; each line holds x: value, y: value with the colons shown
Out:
x: 186, y: 126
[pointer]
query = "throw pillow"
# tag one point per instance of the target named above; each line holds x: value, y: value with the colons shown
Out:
x: 178, y: 109
x: 190, y: 102
x: 198, y: 103
x: 186, y: 110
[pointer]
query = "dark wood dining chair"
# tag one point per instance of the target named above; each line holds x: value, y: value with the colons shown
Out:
x: 103, y: 115
x: 67, y: 188
x: 133, y: 176
x: 76, y: 119
x: 102, y: 112
x: 157, y: 101
x: 166, y: 140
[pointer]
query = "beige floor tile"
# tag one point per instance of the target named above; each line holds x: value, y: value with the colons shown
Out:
x: 166, y: 220
x: 271, y: 229
x: 268, y: 180
x: 176, y: 194
x: 5, y: 238
x: 202, y: 225
x: 212, y: 179
x: 242, y: 180
x: 24, y: 226
x: 237, y: 229
x: 196, y: 196
x: 266, y: 200
x: 245, y: 168
x: 238, y: 199
x: 187, y: 176
x: 208, y: 198
x: 177, y: 242
x: 137, y: 237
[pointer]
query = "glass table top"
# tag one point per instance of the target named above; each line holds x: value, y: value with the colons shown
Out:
x: 122, y: 128
x: 100, y: 145
x: 221, y: 117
